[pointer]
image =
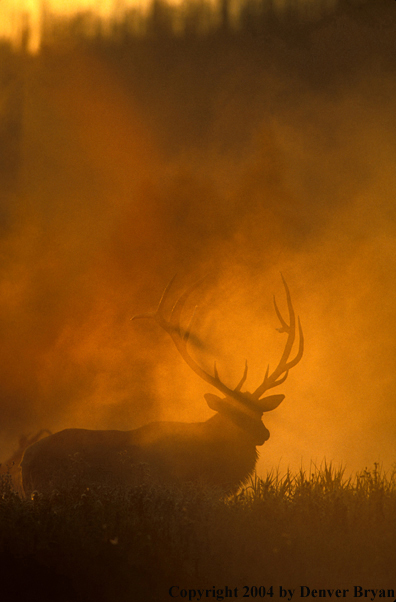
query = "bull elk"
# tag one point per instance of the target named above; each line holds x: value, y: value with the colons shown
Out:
x: 220, y: 452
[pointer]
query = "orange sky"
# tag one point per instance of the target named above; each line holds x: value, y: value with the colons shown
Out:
x: 234, y: 167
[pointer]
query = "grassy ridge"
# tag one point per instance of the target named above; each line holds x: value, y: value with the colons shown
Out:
x: 318, y: 529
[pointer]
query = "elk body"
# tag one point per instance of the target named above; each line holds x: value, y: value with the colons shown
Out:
x: 220, y: 452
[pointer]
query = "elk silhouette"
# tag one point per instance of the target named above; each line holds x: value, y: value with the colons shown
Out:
x: 220, y: 452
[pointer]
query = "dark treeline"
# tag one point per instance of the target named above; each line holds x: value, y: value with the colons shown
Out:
x: 318, y: 41
x: 202, y: 46
x: 198, y: 18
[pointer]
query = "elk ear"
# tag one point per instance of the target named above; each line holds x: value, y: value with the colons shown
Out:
x: 271, y: 402
x: 214, y: 401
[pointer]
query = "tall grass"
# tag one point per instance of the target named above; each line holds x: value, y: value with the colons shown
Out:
x: 316, y: 528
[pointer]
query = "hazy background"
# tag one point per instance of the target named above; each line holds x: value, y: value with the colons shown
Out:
x: 237, y: 152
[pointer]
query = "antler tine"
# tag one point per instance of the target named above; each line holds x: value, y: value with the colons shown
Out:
x: 279, y: 375
x: 172, y: 326
x: 180, y: 303
x: 239, y: 385
x: 300, y: 352
x: 280, y: 317
x: 289, y: 328
x: 215, y: 371
x: 157, y: 315
x: 165, y: 294
x: 187, y: 332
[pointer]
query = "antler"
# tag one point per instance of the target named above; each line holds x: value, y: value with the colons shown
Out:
x: 279, y: 375
x: 180, y: 338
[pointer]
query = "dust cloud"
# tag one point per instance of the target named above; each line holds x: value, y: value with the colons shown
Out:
x: 232, y: 156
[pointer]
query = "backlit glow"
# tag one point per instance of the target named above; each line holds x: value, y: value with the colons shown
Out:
x: 19, y: 16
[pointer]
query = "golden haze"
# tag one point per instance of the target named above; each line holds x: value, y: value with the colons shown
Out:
x: 130, y: 176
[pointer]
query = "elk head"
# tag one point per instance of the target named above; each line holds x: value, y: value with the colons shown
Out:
x: 242, y: 408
